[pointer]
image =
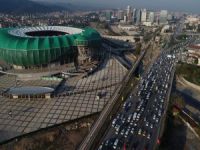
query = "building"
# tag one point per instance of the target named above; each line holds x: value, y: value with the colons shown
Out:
x: 108, y: 15
x: 128, y: 27
x: 151, y: 17
x: 193, y: 54
x: 120, y: 15
x: 133, y: 15
x: 125, y: 19
x: 147, y: 23
x: 163, y: 17
x: 138, y: 16
x: 129, y: 14
x: 143, y: 15
x: 38, y: 47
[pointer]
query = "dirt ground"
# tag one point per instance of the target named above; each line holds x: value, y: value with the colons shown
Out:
x: 56, y: 138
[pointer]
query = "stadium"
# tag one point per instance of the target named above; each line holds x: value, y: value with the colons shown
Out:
x: 37, y: 47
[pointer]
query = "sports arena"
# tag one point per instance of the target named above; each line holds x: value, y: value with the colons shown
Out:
x: 33, y: 47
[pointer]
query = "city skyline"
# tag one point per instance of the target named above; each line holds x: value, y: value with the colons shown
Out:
x: 172, y: 5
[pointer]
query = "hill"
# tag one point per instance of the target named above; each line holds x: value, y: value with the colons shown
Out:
x: 26, y: 6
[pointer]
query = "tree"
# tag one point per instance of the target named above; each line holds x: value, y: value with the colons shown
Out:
x: 138, y: 48
x: 196, y: 61
x: 177, y: 99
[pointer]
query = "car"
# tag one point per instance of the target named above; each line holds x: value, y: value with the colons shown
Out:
x: 144, y: 133
x: 126, y: 133
x: 138, y: 115
x: 115, y: 144
x: 159, y: 113
x: 145, y: 119
x: 154, y: 117
x: 123, y: 120
x: 100, y: 147
x: 120, y: 116
x: 132, y: 130
x: 117, y: 129
x: 129, y: 117
x: 142, y: 109
x: 122, y: 131
x: 114, y: 122
x: 135, y: 124
x: 139, y: 92
x: 147, y: 124
x: 108, y: 143
x: 148, y: 136
x: 139, y: 131
x: 127, y: 106
x: 157, y: 120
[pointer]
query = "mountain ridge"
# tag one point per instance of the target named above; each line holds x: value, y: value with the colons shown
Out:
x: 26, y: 6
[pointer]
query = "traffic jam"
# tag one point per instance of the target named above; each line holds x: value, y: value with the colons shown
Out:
x: 138, y: 122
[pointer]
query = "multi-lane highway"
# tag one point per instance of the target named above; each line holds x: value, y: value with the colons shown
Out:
x: 107, y: 111
x: 140, y: 120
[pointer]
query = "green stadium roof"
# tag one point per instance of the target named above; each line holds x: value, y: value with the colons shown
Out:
x: 19, y: 49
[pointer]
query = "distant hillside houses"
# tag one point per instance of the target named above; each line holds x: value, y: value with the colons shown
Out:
x: 193, y: 54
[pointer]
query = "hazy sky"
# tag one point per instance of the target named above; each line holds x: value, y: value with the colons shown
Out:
x: 179, y: 5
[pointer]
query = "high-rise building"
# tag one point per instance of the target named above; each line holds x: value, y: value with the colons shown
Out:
x: 125, y: 18
x: 151, y: 17
x: 169, y: 17
x: 133, y: 15
x: 143, y: 15
x: 137, y: 16
x: 129, y: 13
x: 163, y: 17
x: 108, y: 15
x: 120, y: 15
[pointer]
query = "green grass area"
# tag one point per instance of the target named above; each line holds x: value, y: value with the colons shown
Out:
x: 189, y: 72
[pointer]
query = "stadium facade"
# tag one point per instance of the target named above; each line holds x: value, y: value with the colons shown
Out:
x: 39, y: 46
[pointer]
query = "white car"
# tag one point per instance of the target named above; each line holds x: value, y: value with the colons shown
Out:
x: 154, y: 117
x: 115, y: 144
x: 148, y: 136
x: 139, y: 131
x: 147, y: 124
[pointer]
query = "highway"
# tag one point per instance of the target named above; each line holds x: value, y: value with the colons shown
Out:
x: 139, y: 123
x: 105, y: 114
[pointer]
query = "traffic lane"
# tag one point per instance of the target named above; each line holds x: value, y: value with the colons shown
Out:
x: 111, y: 133
x: 153, y: 134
